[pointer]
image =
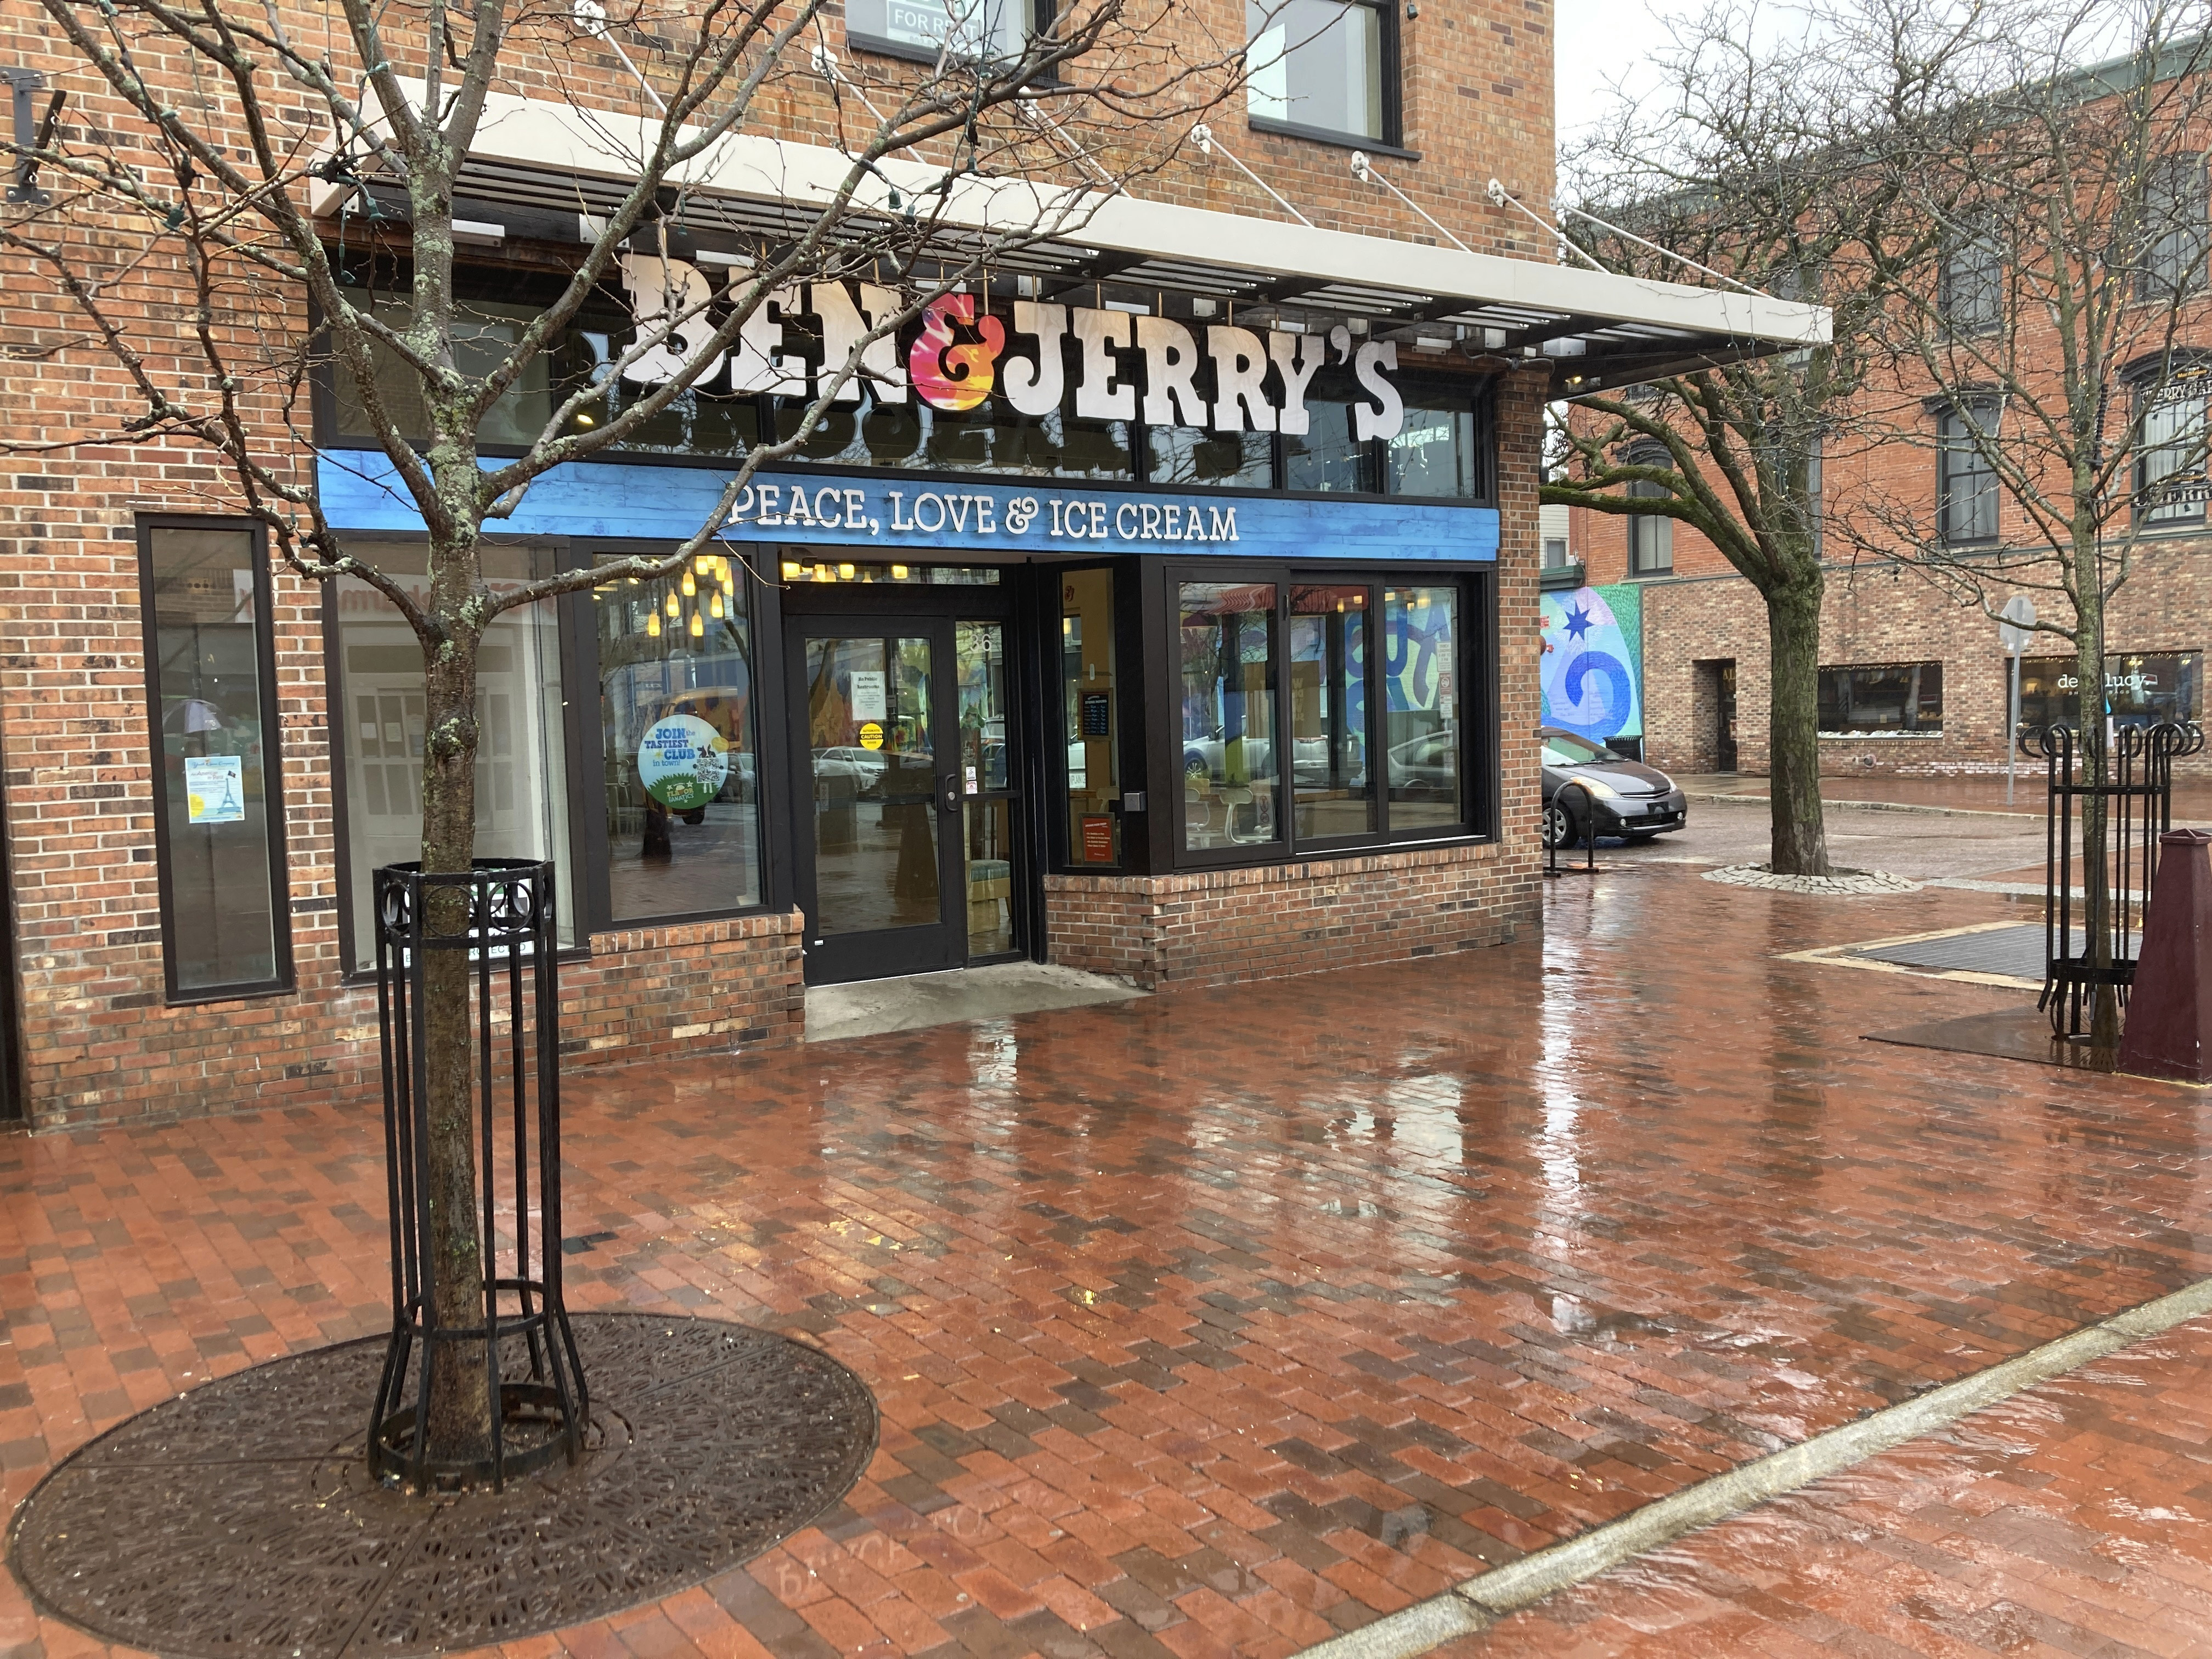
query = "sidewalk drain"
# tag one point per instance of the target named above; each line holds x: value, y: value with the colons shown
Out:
x: 1476, y: 1604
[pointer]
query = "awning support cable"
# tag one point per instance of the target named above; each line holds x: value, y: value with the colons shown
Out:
x: 1497, y: 194
x: 1202, y: 136
x: 590, y: 17
x: 1054, y: 134
x: 825, y: 65
x: 1364, y: 170
x: 1501, y: 198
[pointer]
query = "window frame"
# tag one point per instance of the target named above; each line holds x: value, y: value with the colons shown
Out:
x: 588, y: 818
x: 1947, y: 445
x: 2153, y: 282
x: 1391, y: 140
x: 2162, y: 377
x: 1042, y: 15
x: 1948, y: 287
x: 1826, y: 735
x: 577, y: 652
x: 284, y: 980
x: 1475, y: 691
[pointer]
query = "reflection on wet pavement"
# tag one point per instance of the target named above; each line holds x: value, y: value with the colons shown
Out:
x: 2074, y: 1518
x: 1221, y: 1321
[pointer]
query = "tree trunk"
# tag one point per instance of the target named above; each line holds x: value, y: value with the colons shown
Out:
x: 2097, y: 896
x: 460, y: 1421
x: 1799, y: 846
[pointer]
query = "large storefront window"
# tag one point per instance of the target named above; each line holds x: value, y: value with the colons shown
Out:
x: 1436, y: 453
x: 213, y: 712
x: 1229, y: 746
x: 985, y: 786
x: 1331, y: 783
x: 1364, y: 689
x: 1093, y: 733
x: 986, y: 440
x: 1893, y: 700
x: 1420, y: 628
x: 677, y: 743
x: 2141, y: 688
x: 522, y: 774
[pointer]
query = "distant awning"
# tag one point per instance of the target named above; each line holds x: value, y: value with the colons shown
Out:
x: 546, y: 164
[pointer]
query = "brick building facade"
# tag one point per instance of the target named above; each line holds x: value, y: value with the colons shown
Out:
x: 1272, y: 842
x: 1914, y: 680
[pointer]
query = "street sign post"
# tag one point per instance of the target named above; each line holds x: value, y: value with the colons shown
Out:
x: 2015, y: 625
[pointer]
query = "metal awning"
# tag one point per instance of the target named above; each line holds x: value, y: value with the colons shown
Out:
x: 1597, y: 330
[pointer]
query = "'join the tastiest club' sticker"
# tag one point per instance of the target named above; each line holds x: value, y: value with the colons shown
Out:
x: 682, y: 762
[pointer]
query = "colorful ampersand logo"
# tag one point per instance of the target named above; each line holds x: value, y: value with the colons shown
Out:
x: 949, y: 374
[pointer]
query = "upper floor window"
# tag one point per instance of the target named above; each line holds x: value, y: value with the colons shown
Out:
x: 1965, y: 482
x: 2177, y: 233
x: 1971, y: 294
x: 974, y: 28
x: 1322, y: 66
x: 1650, y: 535
x: 2171, y: 475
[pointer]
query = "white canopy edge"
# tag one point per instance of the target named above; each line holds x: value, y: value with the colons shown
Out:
x: 545, y: 135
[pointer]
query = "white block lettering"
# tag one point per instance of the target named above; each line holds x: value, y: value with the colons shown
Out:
x: 1240, y: 373
x: 1038, y: 390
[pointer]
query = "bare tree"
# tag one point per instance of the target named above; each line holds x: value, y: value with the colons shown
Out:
x: 2049, y: 356
x: 180, y: 227
x: 1775, y: 169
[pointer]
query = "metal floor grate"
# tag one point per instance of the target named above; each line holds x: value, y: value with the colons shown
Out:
x: 2015, y: 952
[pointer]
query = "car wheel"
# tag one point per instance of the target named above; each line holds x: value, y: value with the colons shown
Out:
x: 1559, y: 827
x: 1194, y: 765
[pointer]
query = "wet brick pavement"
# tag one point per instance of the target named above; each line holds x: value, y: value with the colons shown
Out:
x: 2075, y: 1518
x: 1218, y: 1323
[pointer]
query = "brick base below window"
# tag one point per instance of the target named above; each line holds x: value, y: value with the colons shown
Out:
x: 1217, y: 927
x: 645, y: 993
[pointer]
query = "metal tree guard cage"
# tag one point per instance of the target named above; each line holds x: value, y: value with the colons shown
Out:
x: 507, y: 944
x: 2138, y: 793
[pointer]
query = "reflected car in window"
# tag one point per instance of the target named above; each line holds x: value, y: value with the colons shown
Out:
x: 1207, y: 757
x: 1619, y: 797
x: 1426, y: 767
x: 867, y: 766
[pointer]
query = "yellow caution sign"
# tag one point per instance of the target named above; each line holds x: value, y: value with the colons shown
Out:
x: 871, y: 736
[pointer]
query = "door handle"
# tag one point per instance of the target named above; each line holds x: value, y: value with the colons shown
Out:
x: 948, y: 792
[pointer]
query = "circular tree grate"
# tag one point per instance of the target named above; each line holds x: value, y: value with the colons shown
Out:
x: 239, y: 1518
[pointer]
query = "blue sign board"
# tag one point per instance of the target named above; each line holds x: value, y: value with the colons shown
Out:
x: 898, y: 513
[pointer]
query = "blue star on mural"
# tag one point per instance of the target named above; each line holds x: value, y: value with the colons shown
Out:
x: 1578, y: 622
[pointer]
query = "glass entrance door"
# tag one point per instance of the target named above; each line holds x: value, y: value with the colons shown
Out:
x: 880, y: 865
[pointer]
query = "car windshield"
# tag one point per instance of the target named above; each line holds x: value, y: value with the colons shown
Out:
x: 1563, y: 749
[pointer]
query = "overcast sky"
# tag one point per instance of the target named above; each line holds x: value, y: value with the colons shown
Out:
x: 1601, y: 41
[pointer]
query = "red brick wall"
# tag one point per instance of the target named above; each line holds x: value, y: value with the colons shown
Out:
x: 1217, y: 926
x: 642, y: 994
x: 1880, y: 617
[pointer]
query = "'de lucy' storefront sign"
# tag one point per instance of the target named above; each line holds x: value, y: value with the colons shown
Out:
x: 820, y: 508
x: 960, y: 356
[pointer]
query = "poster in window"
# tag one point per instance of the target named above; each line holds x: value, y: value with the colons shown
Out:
x: 215, y: 788
x: 682, y: 762
x: 1097, y: 714
x: 1098, y: 839
x: 869, y: 700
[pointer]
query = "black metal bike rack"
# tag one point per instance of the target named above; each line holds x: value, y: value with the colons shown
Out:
x: 1589, y: 832
x: 2138, y: 796
x: 498, y: 919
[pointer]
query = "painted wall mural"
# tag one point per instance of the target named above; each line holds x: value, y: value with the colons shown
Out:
x: 1592, y: 672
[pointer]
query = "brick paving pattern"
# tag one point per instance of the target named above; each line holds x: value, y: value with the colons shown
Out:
x: 2074, y: 1518
x: 1218, y: 1322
